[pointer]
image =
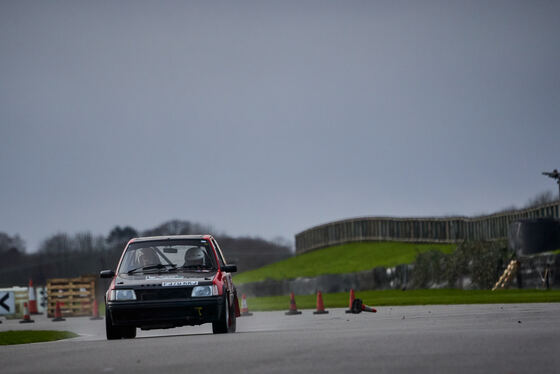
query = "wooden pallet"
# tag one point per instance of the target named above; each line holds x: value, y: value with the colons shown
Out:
x: 76, y: 296
x: 507, y: 276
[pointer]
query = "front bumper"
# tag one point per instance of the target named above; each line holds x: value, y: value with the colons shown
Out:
x: 166, y: 314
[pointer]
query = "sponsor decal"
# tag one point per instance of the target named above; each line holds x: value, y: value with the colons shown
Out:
x: 160, y: 277
x: 183, y: 283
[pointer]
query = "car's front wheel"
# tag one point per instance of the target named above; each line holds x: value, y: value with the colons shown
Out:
x: 227, y: 322
x: 118, y: 332
x: 128, y: 332
x: 113, y: 332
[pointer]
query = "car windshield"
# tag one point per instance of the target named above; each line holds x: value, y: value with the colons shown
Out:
x: 168, y: 256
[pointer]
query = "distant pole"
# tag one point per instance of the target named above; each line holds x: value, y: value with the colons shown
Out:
x: 554, y: 175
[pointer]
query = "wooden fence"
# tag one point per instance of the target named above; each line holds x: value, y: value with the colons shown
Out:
x: 421, y: 230
x: 76, y: 296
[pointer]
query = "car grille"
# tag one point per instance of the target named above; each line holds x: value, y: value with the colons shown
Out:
x: 163, y: 294
x: 147, y: 316
x: 152, y: 314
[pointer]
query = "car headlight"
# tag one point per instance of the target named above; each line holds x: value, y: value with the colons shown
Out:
x: 201, y: 291
x: 122, y: 295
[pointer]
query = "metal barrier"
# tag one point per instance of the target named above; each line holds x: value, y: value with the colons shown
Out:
x: 427, y: 230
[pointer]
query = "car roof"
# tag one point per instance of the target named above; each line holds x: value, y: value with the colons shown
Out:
x: 168, y: 237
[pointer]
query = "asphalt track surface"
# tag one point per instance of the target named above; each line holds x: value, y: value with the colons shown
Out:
x: 510, y: 338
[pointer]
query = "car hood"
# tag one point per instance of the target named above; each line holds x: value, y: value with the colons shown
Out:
x: 165, y: 279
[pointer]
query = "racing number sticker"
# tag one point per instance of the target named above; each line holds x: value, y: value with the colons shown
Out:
x: 174, y: 284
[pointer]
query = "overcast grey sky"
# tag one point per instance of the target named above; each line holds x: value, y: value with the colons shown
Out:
x: 266, y: 118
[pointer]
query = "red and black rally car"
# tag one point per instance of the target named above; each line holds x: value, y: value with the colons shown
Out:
x: 170, y: 281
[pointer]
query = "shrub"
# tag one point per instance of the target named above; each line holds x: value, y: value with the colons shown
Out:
x: 482, y: 261
x: 428, y: 268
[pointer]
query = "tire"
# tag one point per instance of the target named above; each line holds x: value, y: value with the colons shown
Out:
x: 113, y: 332
x: 227, y: 322
x: 128, y: 332
x: 232, y: 320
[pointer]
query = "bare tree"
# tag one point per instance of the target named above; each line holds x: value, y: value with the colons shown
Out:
x: 540, y: 199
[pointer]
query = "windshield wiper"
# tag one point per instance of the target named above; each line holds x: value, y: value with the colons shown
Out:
x: 196, y: 267
x: 153, y: 267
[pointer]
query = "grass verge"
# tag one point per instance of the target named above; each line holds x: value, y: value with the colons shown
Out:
x: 410, y: 297
x: 33, y: 336
x: 346, y: 258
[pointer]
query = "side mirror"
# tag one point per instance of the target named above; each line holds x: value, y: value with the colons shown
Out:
x: 106, y: 274
x: 229, y: 268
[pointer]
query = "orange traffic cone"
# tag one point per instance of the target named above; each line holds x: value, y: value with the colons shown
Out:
x: 58, y: 313
x: 244, y: 308
x: 32, y: 299
x: 358, y: 307
x: 349, y: 310
x: 95, y: 310
x: 293, y: 308
x: 320, y: 305
x: 26, y: 318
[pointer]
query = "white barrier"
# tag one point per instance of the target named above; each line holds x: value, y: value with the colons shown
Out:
x: 41, y: 295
